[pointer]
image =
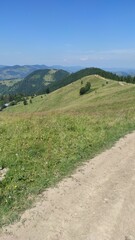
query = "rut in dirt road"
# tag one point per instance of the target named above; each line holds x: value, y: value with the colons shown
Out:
x: 95, y: 203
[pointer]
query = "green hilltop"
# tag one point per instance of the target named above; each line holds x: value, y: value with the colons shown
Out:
x: 68, y: 97
x: 87, y: 72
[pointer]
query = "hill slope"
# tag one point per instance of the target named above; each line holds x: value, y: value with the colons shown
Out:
x: 57, y: 132
x: 37, y: 83
x: 68, y: 97
x: 87, y: 72
x: 37, y: 80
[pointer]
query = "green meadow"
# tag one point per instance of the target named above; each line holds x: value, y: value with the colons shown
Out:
x: 44, y: 141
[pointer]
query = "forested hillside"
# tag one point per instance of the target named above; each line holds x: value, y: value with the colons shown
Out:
x: 37, y: 80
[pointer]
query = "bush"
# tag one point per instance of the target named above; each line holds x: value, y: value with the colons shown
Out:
x: 87, y: 86
x: 25, y: 101
x: 82, y: 91
x: 85, y: 89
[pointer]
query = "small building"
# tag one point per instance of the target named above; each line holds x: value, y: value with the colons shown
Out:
x: 6, y: 104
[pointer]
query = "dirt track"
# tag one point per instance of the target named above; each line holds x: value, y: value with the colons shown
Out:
x: 96, y: 203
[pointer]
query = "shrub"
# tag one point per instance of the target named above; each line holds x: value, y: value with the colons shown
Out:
x: 85, y: 89
x: 87, y: 86
x: 25, y: 101
x: 82, y: 91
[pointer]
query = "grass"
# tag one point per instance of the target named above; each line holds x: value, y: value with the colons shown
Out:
x: 42, y: 142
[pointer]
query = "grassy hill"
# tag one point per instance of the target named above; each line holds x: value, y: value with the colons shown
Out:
x: 79, y: 74
x: 87, y: 72
x: 49, y: 80
x: 43, y: 141
x: 40, y: 81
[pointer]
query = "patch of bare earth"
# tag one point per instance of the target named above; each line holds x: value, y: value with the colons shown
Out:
x: 3, y: 172
x: 96, y: 203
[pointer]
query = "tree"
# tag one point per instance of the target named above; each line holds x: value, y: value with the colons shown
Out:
x: 85, y: 89
x: 82, y: 90
x: 47, y: 90
x: 25, y: 101
x: 87, y: 86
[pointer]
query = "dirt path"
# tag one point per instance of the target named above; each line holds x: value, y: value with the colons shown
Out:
x: 96, y: 203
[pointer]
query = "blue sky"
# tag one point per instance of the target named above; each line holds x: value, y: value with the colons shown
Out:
x: 98, y: 33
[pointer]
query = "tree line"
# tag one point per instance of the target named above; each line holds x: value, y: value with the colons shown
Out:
x: 10, y: 99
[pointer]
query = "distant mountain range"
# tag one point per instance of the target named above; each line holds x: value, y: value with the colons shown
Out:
x: 13, y: 72
x: 20, y: 72
x: 121, y: 71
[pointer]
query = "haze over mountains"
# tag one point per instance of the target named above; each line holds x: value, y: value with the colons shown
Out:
x: 17, y: 71
x: 20, y: 72
x: 122, y: 71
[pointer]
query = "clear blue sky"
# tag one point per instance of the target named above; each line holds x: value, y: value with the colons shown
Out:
x: 68, y: 32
